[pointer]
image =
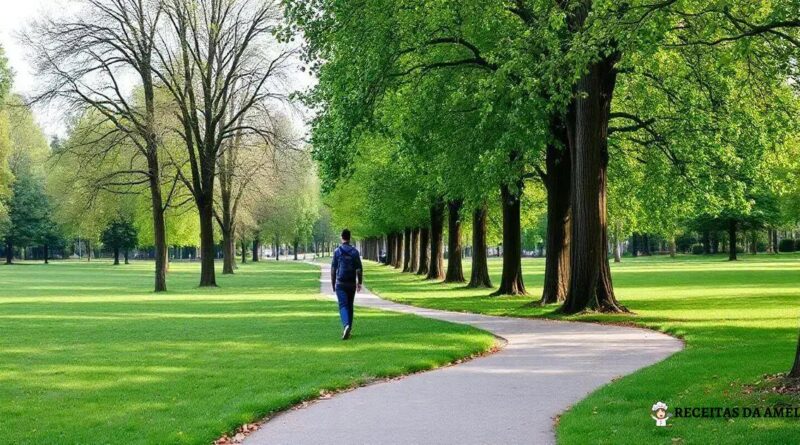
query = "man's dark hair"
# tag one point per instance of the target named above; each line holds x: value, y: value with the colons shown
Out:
x: 346, y: 234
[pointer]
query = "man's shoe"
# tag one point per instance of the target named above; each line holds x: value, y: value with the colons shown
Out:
x: 346, y: 333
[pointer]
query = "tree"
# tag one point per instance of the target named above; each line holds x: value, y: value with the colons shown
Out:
x: 27, y: 214
x: 244, y: 168
x: 84, y: 61
x: 220, y: 63
x: 28, y: 205
x: 120, y: 235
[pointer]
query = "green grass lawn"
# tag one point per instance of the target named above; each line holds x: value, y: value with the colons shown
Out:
x: 739, y: 320
x: 89, y: 355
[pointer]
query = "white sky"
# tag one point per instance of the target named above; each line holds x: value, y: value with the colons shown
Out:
x: 15, y: 15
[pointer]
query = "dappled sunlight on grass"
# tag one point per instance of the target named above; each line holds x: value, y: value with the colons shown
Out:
x: 740, y: 321
x: 89, y: 354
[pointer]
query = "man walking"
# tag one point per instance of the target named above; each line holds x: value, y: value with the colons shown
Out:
x: 346, y: 279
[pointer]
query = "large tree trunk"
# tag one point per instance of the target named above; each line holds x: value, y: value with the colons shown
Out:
x: 672, y: 247
x: 590, y: 279
x: 256, y: 248
x: 455, y: 271
x: 706, y: 242
x: 127, y: 261
x: 244, y: 252
x: 294, y: 247
x: 46, y: 249
x: 480, y: 266
x: 424, y: 251
x: 208, y: 277
x: 407, y: 250
x: 557, y: 183
x: 116, y: 256
x: 228, y: 249
x: 511, y: 282
x: 436, y: 266
x: 732, y: 239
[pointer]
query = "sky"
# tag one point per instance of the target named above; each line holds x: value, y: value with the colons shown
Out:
x: 15, y: 15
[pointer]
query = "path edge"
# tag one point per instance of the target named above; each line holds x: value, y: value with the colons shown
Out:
x: 242, y: 432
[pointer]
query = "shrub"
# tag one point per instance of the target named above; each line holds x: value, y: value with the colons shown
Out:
x: 787, y: 245
x: 697, y: 249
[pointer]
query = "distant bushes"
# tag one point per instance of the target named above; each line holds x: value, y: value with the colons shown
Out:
x: 697, y: 249
x: 787, y: 245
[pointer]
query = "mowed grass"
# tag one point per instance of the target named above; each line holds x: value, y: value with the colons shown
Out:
x: 88, y: 354
x: 739, y: 321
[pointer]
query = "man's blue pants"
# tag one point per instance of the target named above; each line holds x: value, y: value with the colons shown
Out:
x: 346, y: 294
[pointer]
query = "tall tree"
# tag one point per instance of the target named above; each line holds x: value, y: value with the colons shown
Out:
x: 85, y: 60
x: 220, y: 62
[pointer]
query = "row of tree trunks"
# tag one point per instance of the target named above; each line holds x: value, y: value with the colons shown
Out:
x: 455, y: 271
x: 436, y: 266
x: 480, y: 267
x: 370, y: 248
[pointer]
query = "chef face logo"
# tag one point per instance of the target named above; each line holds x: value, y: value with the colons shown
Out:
x: 659, y: 413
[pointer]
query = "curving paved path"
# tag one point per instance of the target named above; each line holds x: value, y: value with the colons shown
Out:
x: 510, y: 397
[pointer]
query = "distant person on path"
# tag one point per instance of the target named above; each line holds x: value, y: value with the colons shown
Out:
x: 346, y: 279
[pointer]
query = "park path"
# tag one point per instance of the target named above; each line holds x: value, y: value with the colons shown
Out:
x: 509, y: 397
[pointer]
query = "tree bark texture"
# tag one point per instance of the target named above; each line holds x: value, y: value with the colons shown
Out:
x: 511, y: 282
x: 480, y: 266
x: 436, y: 266
x: 424, y: 251
x: 455, y: 270
x: 590, y: 274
